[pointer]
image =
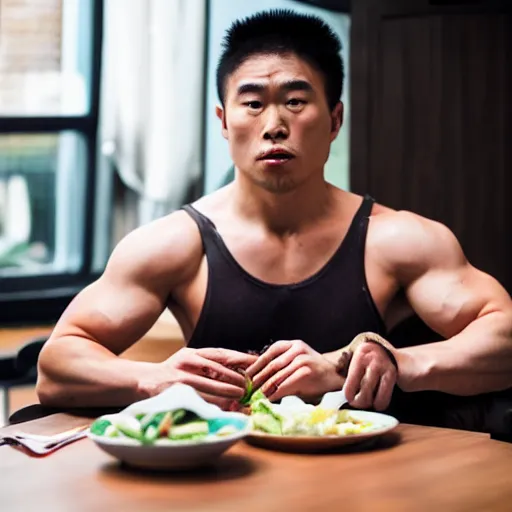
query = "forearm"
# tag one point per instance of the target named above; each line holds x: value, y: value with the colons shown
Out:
x: 77, y: 372
x: 477, y: 360
x: 335, y: 355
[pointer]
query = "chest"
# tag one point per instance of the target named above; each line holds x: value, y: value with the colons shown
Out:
x: 283, y: 260
x: 326, y: 311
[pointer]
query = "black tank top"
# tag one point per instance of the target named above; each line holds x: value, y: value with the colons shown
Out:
x: 327, y: 310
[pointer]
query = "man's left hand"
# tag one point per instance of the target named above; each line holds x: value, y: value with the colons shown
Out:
x: 371, y: 378
x: 291, y: 367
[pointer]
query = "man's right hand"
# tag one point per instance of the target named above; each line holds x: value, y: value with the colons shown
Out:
x: 212, y: 372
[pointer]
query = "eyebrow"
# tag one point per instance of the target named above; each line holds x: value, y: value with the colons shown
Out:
x: 289, y: 85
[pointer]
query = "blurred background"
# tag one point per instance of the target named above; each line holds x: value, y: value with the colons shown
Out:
x: 107, y: 122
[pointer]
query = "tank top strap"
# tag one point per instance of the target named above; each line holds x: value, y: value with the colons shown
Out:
x: 358, y: 243
x: 207, y: 228
x: 356, y: 234
x: 365, y: 210
x: 360, y: 225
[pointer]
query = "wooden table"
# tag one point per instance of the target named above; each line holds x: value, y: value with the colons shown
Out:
x: 414, y: 469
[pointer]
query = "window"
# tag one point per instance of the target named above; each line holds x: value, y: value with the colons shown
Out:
x: 49, y: 93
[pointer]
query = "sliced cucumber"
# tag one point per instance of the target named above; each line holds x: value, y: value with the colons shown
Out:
x: 150, y: 434
x: 153, y: 420
x: 178, y: 415
x: 128, y: 425
x: 192, y: 430
x: 147, y: 420
x: 100, y: 426
x: 111, y: 431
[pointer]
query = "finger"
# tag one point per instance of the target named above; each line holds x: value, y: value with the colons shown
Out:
x: 216, y: 371
x: 225, y: 404
x: 384, y: 391
x: 370, y: 381
x: 274, y: 367
x: 275, y: 350
x: 290, y: 385
x: 228, y: 357
x: 213, y: 387
x: 355, y: 375
x: 275, y: 381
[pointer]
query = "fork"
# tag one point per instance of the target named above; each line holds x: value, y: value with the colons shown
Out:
x: 333, y: 400
x: 42, y: 445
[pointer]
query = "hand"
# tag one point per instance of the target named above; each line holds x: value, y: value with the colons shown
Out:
x: 212, y: 372
x: 371, y: 378
x: 293, y: 368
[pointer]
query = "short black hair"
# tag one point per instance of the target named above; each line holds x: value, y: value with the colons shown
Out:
x: 282, y: 31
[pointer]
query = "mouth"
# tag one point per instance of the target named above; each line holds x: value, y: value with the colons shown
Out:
x: 276, y: 157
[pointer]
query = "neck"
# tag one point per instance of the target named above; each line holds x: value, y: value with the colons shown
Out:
x: 283, y: 213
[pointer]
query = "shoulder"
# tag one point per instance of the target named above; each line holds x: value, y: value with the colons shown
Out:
x: 214, y: 205
x: 407, y: 245
x: 167, y: 250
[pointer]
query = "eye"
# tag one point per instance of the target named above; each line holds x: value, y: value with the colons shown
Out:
x: 295, y: 102
x: 254, y: 105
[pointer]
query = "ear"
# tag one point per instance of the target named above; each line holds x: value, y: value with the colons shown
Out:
x: 336, y: 119
x: 221, y: 114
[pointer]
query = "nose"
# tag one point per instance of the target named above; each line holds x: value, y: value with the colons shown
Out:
x: 275, y: 127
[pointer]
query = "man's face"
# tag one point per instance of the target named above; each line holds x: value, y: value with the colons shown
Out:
x: 277, y: 121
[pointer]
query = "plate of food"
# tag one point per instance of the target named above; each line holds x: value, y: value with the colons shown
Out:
x: 294, y: 425
x: 176, y: 429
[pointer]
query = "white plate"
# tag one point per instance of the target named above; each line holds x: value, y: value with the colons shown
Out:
x: 383, y: 424
x: 167, y: 454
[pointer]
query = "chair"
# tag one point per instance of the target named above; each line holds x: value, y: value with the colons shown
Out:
x: 19, y: 369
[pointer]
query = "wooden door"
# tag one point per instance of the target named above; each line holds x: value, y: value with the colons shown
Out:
x: 431, y: 100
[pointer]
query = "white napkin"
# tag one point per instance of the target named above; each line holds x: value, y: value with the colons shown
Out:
x: 42, y: 445
x: 292, y: 404
x: 178, y: 396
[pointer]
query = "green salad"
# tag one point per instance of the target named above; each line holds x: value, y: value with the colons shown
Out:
x: 266, y: 417
x: 249, y: 389
x: 177, y: 425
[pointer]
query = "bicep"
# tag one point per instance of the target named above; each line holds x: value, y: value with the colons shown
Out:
x: 448, y: 300
x: 142, y: 272
x: 112, y: 313
x: 441, y: 286
x: 450, y: 293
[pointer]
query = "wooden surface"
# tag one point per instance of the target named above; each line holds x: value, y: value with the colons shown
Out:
x: 158, y: 343
x: 415, y: 469
x: 13, y: 338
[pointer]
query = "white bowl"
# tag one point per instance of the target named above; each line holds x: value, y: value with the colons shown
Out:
x: 167, y: 453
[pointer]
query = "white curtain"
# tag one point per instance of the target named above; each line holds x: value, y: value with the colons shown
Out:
x: 152, y: 98
x: 15, y: 219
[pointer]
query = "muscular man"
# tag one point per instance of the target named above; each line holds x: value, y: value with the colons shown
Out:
x: 281, y: 259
